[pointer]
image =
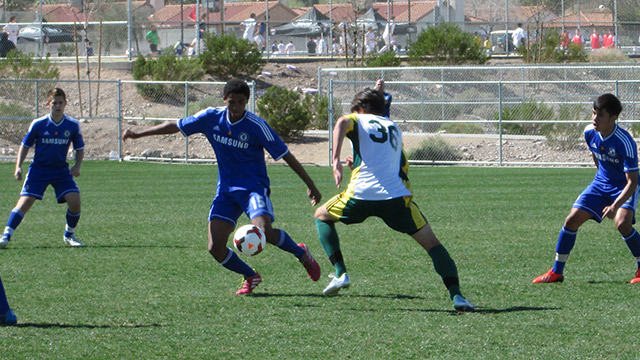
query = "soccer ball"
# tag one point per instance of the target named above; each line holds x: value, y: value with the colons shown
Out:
x: 249, y: 240
x: 601, y: 7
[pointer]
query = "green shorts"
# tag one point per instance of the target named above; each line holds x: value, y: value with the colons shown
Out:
x: 400, y: 214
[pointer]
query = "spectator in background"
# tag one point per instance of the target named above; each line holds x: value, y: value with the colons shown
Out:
x: 487, y: 45
x: 518, y: 36
x: 564, y: 40
x: 89, y: 48
x: 577, y: 38
x: 249, y: 28
x: 607, y: 40
x: 370, y: 40
x: 153, y: 39
x: 387, y: 97
x: 596, y: 42
x: 12, y: 29
x: 321, y: 46
x: 6, y: 45
x: 290, y: 48
x: 259, y: 37
x: 387, y: 34
x: 282, y: 48
x: 311, y: 46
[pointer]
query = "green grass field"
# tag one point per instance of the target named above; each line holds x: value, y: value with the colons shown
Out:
x: 145, y: 287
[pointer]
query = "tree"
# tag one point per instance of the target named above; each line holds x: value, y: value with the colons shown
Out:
x: 446, y: 43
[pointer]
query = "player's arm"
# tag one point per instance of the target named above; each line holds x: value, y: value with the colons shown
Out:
x: 595, y: 160
x: 312, y: 191
x: 22, y: 155
x: 339, y: 133
x: 632, y: 183
x: 168, y: 127
x: 75, y: 170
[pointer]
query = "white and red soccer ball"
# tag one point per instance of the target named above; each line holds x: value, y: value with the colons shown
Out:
x: 249, y: 240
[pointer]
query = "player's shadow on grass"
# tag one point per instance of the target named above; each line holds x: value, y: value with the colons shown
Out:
x: 319, y: 295
x: 89, y: 247
x: 84, y: 326
x: 481, y: 310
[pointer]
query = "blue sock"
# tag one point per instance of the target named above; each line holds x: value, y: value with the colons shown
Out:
x: 4, y: 304
x: 287, y: 244
x: 72, y: 222
x: 235, y: 264
x: 566, y: 240
x: 633, y: 242
x: 14, y: 220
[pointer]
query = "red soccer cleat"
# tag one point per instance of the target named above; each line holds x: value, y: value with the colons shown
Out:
x: 309, y: 263
x: 636, y: 279
x: 249, y: 284
x: 548, y: 277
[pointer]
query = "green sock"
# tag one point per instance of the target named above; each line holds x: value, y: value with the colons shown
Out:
x: 446, y: 268
x: 328, y: 237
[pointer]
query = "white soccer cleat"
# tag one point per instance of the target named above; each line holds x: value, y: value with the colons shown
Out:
x: 460, y: 303
x: 336, y: 284
x: 72, y: 241
x: 4, y: 241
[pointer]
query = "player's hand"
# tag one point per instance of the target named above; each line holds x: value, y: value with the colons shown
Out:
x: 349, y: 161
x: 337, y: 173
x: 609, y: 212
x: 314, y: 195
x: 128, y: 134
x: 74, y: 171
x: 18, y: 174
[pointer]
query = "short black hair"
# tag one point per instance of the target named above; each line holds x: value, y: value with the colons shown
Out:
x: 608, y: 102
x: 371, y: 101
x: 56, y: 92
x: 236, y: 86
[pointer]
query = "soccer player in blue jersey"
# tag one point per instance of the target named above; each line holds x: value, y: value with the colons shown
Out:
x: 7, y: 316
x: 50, y: 136
x: 379, y: 186
x: 239, y: 139
x: 612, y: 194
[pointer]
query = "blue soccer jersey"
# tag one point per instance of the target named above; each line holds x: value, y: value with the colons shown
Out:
x: 51, y: 141
x: 239, y: 146
x: 617, y: 154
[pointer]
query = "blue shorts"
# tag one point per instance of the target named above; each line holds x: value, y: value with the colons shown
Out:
x: 229, y: 206
x: 596, y: 197
x: 39, y: 178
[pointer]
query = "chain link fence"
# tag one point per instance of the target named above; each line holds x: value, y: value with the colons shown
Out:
x: 516, y: 115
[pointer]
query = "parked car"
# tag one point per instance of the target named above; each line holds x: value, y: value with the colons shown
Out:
x: 52, y: 34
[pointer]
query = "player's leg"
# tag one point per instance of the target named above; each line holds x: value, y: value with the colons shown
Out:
x: 624, y: 222
x: 586, y: 207
x: 15, y: 218
x: 73, y: 217
x: 7, y: 317
x: 218, y: 236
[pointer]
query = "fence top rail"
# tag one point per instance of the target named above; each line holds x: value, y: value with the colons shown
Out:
x: 486, y: 68
x: 343, y: 82
x: 60, y: 80
x: 173, y: 82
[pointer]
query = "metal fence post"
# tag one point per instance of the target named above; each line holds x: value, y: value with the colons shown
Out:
x: 37, y: 99
x: 119, y: 120
x: 500, y: 123
x: 186, y: 114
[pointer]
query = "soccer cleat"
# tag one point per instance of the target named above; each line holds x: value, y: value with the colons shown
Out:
x: 309, y: 263
x: 548, y: 277
x: 4, y: 241
x: 249, y: 284
x: 72, y: 241
x: 336, y: 284
x: 8, y: 319
x: 460, y: 303
x: 636, y: 279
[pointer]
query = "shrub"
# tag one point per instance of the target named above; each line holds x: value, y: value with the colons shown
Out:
x: 319, y: 105
x: 167, y: 67
x: 386, y: 59
x: 608, y: 56
x: 18, y: 65
x: 66, y: 50
x: 435, y: 149
x: 567, y: 136
x: 447, y: 44
x: 285, y: 112
x: 548, y: 50
x: 13, y: 130
x: 228, y: 56
x: 527, y: 110
x: 205, y: 102
x: 462, y: 128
